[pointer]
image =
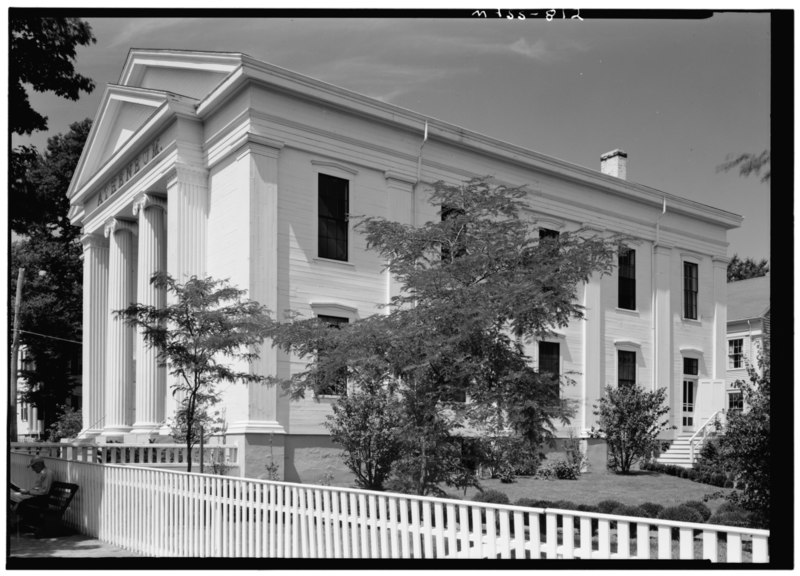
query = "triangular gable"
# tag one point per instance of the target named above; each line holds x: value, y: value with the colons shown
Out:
x: 193, y: 74
x: 122, y: 112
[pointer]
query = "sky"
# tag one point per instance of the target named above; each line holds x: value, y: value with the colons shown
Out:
x: 678, y: 96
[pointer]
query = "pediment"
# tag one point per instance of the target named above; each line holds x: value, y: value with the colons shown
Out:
x: 188, y: 73
x: 122, y: 112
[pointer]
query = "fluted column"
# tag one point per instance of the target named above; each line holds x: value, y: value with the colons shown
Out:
x: 187, y: 223
x: 95, y: 319
x: 119, y: 352
x: 151, y: 379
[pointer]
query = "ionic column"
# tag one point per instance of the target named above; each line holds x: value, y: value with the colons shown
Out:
x: 187, y: 224
x: 95, y: 319
x: 151, y: 379
x: 119, y: 351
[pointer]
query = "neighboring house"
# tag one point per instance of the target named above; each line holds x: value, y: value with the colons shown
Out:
x: 217, y: 164
x: 30, y: 420
x: 748, y: 331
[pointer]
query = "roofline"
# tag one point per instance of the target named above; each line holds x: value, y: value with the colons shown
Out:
x: 256, y: 71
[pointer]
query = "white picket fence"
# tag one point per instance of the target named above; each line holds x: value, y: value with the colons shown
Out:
x: 148, y: 455
x: 159, y: 512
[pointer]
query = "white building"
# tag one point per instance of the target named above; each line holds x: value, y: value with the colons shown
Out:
x: 213, y: 164
x: 748, y: 329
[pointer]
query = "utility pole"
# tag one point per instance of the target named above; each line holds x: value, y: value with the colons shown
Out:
x: 12, y: 401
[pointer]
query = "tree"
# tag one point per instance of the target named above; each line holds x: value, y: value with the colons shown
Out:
x: 630, y: 420
x: 744, y: 448
x: 208, y: 323
x: 48, y: 247
x: 742, y: 269
x: 68, y: 425
x: 42, y: 55
x: 749, y: 164
x: 477, y: 283
x: 38, y: 185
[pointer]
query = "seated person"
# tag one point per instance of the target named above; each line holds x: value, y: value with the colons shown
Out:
x: 23, y: 500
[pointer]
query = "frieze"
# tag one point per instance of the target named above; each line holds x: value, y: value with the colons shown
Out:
x: 129, y: 171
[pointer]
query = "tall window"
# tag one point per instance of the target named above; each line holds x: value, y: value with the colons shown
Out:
x: 338, y: 385
x: 690, y: 290
x: 550, y: 360
x: 333, y: 209
x: 735, y: 356
x: 626, y: 368
x: 627, y: 279
x: 459, y: 248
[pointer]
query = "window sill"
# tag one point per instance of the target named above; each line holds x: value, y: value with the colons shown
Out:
x: 331, y: 261
x: 692, y: 321
x: 634, y: 312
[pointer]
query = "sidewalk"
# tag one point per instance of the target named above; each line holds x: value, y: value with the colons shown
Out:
x: 67, y: 546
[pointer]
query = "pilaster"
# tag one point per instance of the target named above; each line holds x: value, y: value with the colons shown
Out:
x: 662, y: 332
x: 719, y: 362
x: 593, y: 379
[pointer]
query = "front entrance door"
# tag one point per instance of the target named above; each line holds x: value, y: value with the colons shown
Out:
x: 687, y: 411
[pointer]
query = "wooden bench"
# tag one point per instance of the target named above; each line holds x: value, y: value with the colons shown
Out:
x: 45, y: 517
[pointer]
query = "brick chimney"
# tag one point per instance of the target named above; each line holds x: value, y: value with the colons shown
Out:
x: 615, y: 163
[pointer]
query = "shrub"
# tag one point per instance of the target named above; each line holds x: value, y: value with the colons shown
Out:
x: 625, y: 510
x: 564, y: 505
x: 491, y: 497
x: 566, y: 471
x: 726, y: 507
x: 700, y: 507
x: 608, y: 506
x: 630, y: 420
x: 531, y: 503
x: 680, y: 514
x: 740, y: 518
x: 651, y: 509
x: 586, y: 508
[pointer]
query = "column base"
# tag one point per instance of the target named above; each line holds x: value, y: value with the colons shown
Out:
x: 89, y: 434
x: 115, y: 434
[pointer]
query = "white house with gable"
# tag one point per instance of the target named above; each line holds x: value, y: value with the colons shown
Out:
x: 217, y: 164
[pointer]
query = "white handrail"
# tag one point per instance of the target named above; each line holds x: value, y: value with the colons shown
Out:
x: 704, y: 430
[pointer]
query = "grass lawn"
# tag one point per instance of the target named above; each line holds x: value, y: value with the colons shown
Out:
x: 635, y: 488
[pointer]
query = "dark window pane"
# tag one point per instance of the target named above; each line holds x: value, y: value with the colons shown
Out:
x: 337, y: 387
x: 547, y: 233
x: 626, y: 363
x: 690, y: 366
x: 549, y: 362
x: 690, y: 282
x: 333, y: 195
x: 627, y: 280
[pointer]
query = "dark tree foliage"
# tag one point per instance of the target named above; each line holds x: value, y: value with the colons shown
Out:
x: 475, y: 286
x: 743, y: 269
x: 38, y: 185
x: 749, y: 164
x: 208, y: 335
x: 49, y: 249
x: 744, y: 448
x: 42, y: 56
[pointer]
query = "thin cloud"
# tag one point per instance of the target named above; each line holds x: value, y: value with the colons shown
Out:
x: 139, y: 30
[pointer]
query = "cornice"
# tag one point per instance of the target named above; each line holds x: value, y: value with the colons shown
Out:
x: 283, y: 80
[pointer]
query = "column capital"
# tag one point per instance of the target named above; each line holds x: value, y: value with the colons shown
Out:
x: 116, y: 225
x: 180, y: 172
x: 663, y: 249
x: 93, y: 241
x: 146, y: 200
